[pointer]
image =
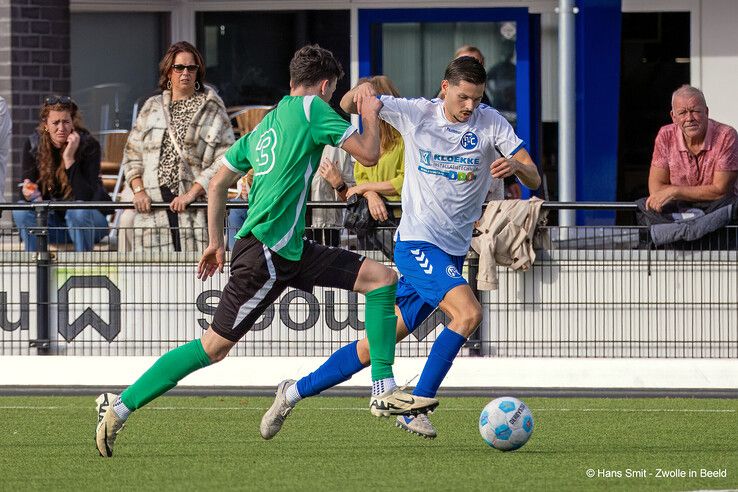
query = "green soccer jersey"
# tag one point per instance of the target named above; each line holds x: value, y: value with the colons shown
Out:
x: 284, y: 150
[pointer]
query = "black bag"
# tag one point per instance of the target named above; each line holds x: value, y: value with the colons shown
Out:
x: 358, y: 218
x: 359, y: 221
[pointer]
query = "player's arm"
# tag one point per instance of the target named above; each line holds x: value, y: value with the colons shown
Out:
x: 521, y: 165
x: 213, y: 258
x: 352, y: 101
x: 365, y: 147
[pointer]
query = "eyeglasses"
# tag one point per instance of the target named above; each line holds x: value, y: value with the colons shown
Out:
x: 51, y: 100
x: 181, y: 68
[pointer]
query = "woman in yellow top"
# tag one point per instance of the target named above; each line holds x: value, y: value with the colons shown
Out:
x: 383, y: 179
x: 387, y: 176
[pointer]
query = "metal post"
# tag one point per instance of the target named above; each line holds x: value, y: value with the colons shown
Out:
x: 43, y: 274
x: 475, y: 341
x: 567, y: 112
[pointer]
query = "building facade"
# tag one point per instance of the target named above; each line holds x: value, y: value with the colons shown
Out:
x: 630, y: 55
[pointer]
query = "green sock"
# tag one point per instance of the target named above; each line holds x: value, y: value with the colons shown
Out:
x: 380, y: 326
x: 164, y: 375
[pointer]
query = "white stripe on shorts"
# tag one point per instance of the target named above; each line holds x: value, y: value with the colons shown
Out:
x: 251, y: 304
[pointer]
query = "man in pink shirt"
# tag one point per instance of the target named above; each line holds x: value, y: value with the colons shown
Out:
x: 695, y: 159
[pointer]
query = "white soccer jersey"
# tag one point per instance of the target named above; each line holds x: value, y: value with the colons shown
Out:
x: 447, y: 173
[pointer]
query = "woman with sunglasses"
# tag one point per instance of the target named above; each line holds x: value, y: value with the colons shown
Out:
x: 172, y: 153
x: 61, y: 161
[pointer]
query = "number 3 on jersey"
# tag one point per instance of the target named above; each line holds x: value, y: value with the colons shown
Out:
x: 265, y: 150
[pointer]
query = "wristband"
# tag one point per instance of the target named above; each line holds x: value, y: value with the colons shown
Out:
x: 342, y: 187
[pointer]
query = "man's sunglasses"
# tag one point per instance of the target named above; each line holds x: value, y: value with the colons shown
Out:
x: 181, y: 68
x: 51, y: 100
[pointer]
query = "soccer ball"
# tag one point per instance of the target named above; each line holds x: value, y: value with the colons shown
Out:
x: 506, y: 423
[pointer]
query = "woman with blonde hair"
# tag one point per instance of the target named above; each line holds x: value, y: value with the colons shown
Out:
x: 385, y: 179
x: 173, y: 151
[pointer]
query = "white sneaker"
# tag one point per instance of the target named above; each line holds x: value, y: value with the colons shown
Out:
x: 418, y: 424
x: 108, y: 424
x: 273, y: 419
x: 397, y: 402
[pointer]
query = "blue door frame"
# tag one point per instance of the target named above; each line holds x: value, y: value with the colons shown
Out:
x: 526, y: 102
x: 598, y: 46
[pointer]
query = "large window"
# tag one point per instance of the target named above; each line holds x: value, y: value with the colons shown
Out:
x: 413, y: 47
x: 247, y: 54
x: 415, y: 55
x: 655, y: 60
x: 115, y: 61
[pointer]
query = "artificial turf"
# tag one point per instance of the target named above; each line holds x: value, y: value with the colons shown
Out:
x: 333, y: 443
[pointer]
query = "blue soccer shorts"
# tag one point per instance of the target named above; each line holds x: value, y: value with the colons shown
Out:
x: 428, y: 273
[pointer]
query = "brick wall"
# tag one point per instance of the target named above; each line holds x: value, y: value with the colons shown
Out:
x: 5, y: 60
x: 39, y: 63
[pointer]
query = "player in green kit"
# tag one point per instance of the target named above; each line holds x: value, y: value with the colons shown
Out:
x: 271, y: 254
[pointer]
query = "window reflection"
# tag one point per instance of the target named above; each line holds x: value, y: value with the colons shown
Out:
x: 247, y: 54
x: 415, y: 55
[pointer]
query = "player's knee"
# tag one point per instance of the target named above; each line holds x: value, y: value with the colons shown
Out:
x: 388, y: 276
x: 362, y: 350
x: 217, y: 354
x: 215, y: 346
x: 475, y: 317
x: 384, y: 277
x: 469, y: 319
x: 401, y: 331
x: 373, y: 276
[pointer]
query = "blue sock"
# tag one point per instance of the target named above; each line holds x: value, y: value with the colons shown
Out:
x: 339, y: 367
x: 441, y: 356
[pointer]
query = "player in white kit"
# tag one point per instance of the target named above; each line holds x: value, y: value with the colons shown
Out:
x: 451, y: 145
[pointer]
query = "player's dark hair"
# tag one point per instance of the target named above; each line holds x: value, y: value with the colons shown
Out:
x: 466, y: 68
x: 311, y: 64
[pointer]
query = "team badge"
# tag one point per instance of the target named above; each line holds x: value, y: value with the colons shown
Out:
x: 452, y: 272
x: 469, y: 140
x: 425, y: 156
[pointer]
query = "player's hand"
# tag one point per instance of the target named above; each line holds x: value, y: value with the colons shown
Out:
x: 212, y: 260
x: 377, y: 209
x: 329, y: 171
x: 362, y: 93
x: 504, y: 167
x: 370, y: 107
x: 70, y: 149
x: 657, y: 200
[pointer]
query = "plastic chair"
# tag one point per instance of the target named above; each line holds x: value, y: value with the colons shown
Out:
x: 247, y: 117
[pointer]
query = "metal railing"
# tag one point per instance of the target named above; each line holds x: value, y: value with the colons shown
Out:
x: 592, y: 292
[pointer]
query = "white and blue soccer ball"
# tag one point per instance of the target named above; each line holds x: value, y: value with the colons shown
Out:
x: 506, y: 423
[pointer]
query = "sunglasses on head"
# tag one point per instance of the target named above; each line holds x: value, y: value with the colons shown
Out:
x: 181, y: 68
x: 50, y: 100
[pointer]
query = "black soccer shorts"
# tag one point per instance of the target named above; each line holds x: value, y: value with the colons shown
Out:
x: 259, y: 276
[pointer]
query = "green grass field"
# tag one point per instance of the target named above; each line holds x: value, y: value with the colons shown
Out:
x: 333, y: 443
